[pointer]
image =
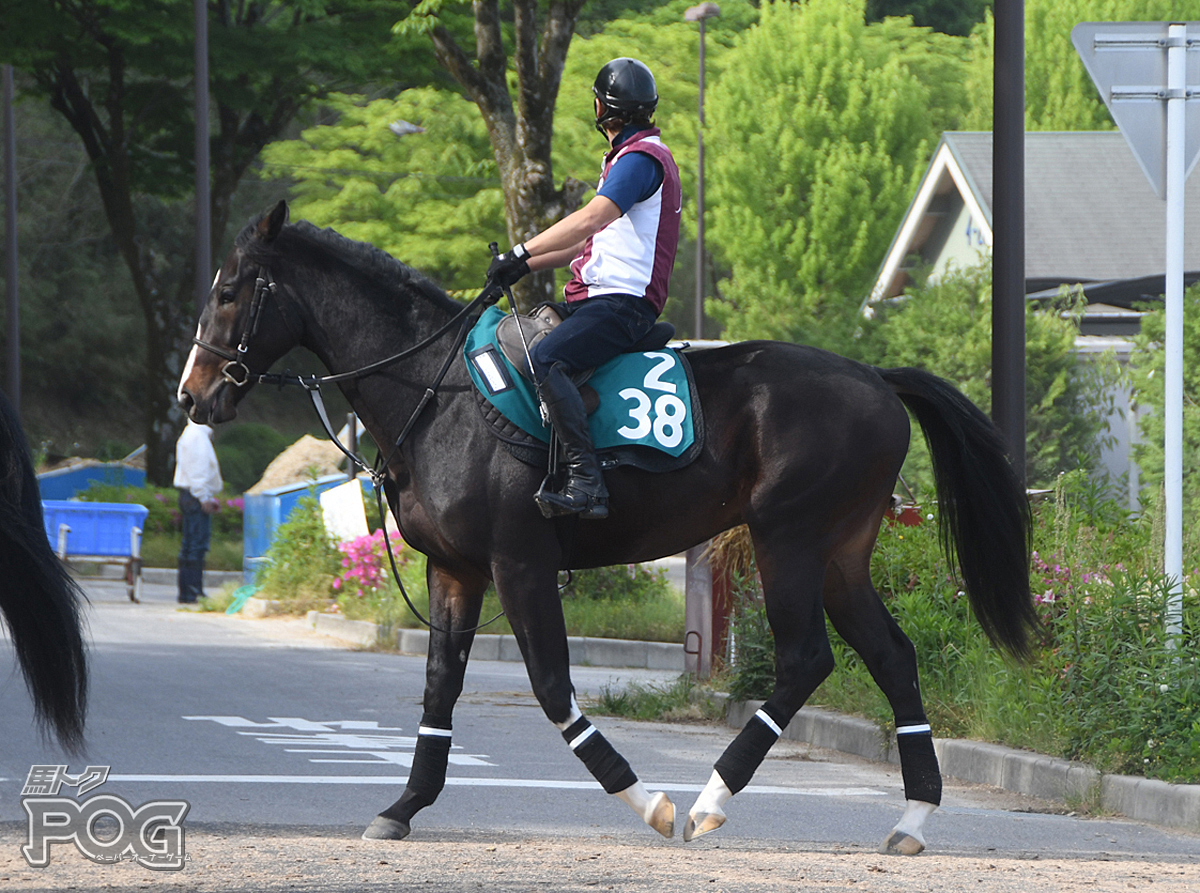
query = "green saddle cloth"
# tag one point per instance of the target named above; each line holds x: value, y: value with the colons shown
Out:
x: 645, y: 398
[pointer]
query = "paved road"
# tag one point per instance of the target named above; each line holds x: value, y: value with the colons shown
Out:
x: 271, y: 732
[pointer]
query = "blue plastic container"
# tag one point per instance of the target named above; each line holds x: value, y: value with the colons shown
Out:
x: 96, y: 528
x: 262, y: 513
x: 66, y: 482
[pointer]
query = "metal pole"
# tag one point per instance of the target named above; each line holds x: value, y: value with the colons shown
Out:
x: 1173, y: 406
x: 699, y: 323
x: 1008, y: 229
x: 203, y: 196
x: 13, y: 345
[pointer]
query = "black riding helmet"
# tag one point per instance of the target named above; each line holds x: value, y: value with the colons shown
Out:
x: 626, y: 89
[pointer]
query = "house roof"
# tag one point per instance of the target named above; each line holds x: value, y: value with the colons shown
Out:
x: 1090, y: 213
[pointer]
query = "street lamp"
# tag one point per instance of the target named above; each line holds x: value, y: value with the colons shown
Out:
x: 699, y: 14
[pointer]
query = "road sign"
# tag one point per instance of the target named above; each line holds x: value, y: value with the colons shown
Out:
x: 1128, y: 62
x: 1142, y: 70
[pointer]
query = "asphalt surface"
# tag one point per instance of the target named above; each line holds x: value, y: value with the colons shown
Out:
x: 265, y: 727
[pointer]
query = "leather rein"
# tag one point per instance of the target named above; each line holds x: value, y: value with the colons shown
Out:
x: 236, y: 372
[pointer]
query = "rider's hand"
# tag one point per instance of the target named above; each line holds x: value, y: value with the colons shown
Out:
x: 509, y: 267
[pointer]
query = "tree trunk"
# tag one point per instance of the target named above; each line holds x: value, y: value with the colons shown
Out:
x: 521, y: 137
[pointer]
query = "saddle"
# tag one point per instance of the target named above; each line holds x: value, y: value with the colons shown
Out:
x: 538, y: 324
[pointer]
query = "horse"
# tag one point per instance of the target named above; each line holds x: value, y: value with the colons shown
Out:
x: 39, y: 601
x: 802, y: 446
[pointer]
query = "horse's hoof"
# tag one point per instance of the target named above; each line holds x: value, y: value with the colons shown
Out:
x: 662, y: 815
x: 382, y: 828
x: 900, y: 844
x: 700, y: 823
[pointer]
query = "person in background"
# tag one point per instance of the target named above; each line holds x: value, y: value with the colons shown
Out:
x: 198, y: 478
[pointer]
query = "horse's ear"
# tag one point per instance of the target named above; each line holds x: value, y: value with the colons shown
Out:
x: 269, y: 227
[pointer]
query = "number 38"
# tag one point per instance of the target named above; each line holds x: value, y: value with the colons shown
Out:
x: 665, y: 415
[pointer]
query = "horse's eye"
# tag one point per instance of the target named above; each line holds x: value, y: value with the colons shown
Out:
x: 227, y: 296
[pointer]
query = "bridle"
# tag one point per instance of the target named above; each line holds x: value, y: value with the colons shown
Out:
x: 264, y: 285
x: 236, y: 372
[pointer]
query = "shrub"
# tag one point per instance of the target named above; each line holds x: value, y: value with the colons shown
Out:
x: 1107, y: 686
x: 623, y: 582
x: 945, y: 328
x: 302, y: 560
x: 163, y: 504
x: 244, y: 451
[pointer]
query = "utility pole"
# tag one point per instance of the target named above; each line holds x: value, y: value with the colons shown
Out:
x: 1008, y: 229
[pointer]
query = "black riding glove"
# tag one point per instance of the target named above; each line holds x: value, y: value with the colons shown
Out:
x: 509, y: 267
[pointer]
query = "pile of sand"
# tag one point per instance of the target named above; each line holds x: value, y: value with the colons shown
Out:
x: 305, y: 460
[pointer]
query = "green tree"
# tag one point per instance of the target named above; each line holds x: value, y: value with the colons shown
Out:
x: 946, y: 328
x: 119, y: 72
x: 81, y: 340
x: 948, y: 16
x: 434, y: 198
x: 1147, y: 366
x: 521, y: 132
x: 820, y: 128
x: 1059, y: 93
x: 430, y: 198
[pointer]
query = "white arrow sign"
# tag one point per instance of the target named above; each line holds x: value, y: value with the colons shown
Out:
x: 1128, y: 62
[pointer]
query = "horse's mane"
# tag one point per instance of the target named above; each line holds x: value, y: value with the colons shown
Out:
x: 363, y: 257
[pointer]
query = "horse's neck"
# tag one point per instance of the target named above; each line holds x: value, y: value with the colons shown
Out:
x: 354, y: 331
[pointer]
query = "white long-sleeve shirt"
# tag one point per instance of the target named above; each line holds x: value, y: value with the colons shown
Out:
x: 196, y: 467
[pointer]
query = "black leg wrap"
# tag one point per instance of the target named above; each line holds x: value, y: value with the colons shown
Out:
x: 919, y: 767
x: 606, y: 765
x: 428, y: 775
x: 745, y: 753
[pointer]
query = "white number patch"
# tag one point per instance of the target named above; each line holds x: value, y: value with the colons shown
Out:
x: 665, y: 417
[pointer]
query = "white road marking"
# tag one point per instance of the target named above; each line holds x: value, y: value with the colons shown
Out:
x: 485, y: 783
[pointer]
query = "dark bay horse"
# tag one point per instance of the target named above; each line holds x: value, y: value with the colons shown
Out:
x: 802, y: 446
x: 40, y: 603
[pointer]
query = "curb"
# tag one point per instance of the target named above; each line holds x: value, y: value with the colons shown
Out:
x: 167, y: 576
x: 584, y: 651
x: 1019, y: 771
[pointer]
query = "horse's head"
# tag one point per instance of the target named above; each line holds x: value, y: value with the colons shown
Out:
x: 241, y: 330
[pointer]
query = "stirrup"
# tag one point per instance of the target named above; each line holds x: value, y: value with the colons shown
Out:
x: 553, y: 504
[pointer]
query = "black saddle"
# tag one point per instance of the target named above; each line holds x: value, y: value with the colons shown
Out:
x: 542, y: 319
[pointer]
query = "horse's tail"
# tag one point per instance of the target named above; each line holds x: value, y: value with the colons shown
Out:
x: 985, y: 517
x: 40, y: 603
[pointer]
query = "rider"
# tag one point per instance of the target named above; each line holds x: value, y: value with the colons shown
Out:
x: 621, y: 248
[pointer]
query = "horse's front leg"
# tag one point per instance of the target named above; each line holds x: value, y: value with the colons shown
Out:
x: 455, y: 600
x: 530, y: 597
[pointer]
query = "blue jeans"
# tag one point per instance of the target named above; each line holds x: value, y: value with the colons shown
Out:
x: 197, y: 528
x: 595, y: 330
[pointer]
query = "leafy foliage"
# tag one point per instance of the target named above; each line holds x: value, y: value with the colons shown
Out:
x: 821, y: 126
x: 244, y: 450
x: 1059, y: 93
x: 1107, y: 687
x: 432, y: 199
x: 302, y: 560
x: 948, y: 16
x: 1147, y: 366
x: 945, y: 327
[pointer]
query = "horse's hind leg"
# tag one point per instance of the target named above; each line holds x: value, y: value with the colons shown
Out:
x: 792, y: 581
x: 859, y: 616
x: 454, y: 603
x: 535, y: 614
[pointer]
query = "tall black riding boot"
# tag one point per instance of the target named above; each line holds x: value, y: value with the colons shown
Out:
x: 584, y: 492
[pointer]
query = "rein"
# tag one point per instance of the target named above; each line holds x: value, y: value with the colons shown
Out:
x: 264, y: 286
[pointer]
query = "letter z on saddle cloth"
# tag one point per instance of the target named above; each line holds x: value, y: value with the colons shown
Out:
x: 648, y: 414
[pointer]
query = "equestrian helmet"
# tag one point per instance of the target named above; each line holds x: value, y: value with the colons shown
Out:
x: 626, y: 90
